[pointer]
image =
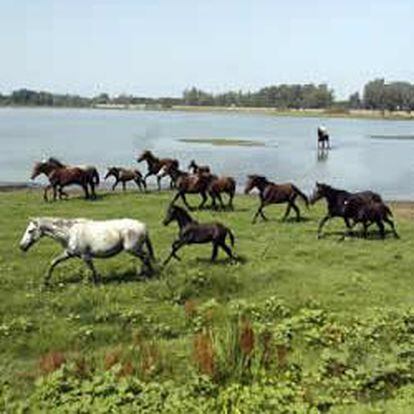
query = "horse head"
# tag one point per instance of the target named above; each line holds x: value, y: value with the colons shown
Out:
x: 112, y: 171
x: 31, y: 235
x: 254, y: 180
x: 319, y: 192
x: 146, y: 155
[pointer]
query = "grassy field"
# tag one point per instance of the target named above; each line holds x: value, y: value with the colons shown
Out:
x: 298, y: 325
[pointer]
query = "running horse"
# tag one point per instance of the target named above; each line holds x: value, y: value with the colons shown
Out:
x: 337, y: 201
x: 124, y: 175
x: 198, y: 169
x: 157, y: 166
x: 60, y: 177
x: 90, y: 170
x: 271, y: 193
x: 323, y: 138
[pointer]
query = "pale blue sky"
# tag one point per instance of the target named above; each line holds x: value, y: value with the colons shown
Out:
x: 160, y: 47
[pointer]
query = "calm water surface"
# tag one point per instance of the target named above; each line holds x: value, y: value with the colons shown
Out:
x: 116, y: 137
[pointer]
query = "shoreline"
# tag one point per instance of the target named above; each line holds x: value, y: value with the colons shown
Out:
x: 332, y: 113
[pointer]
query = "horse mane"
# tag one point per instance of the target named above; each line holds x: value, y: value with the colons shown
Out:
x: 182, y: 211
x: 55, y: 161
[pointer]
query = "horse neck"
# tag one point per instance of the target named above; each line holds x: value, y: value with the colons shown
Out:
x: 152, y: 160
x: 333, y: 194
x: 183, y: 219
x: 56, y: 229
x: 261, y: 186
x: 48, y: 169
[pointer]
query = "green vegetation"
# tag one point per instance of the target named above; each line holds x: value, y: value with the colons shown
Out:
x: 299, y: 325
x: 225, y: 142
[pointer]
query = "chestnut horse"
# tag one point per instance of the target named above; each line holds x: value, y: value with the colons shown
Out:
x: 198, y: 169
x: 192, y: 184
x: 271, y: 193
x: 60, y: 177
x: 156, y: 166
x: 124, y: 175
x: 90, y: 170
x: 220, y: 185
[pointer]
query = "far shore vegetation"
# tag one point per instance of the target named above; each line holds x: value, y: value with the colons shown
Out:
x: 379, y: 100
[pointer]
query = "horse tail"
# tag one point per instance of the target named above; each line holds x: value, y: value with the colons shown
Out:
x: 95, y: 176
x: 231, y: 236
x: 149, y: 246
x: 388, y: 211
x: 301, y: 194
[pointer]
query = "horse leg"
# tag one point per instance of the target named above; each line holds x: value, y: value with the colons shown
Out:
x: 214, y: 252
x: 321, y: 224
x: 287, y: 212
x: 115, y: 184
x: 391, y: 224
x: 123, y: 186
x: 203, y: 201
x: 48, y: 187
x: 95, y: 276
x: 159, y: 182
x: 145, y: 258
x: 183, y: 197
x: 220, y: 199
x: 231, y: 196
x: 54, y: 192
x: 381, y: 228
x: 175, y: 247
x: 227, y: 249
x: 61, y: 258
x: 92, y: 184
x: 213, y: 201
x: 259, y: 211
x: 85, y: 189
x: 138, y: 183
x: 297, y: 211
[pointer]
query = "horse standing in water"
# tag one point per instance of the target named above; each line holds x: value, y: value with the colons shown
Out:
x: 323, y: 138
x: 271, y: 193
x: 336, y: 203
x: 60, y: 177
x: 89, y: 239
x: 124, y: 175
x: 193, y: 232
x: 157, y: 166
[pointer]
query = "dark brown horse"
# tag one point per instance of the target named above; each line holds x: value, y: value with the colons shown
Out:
x: 336, y: 202
x: 60, y: 177
x: 157, y: 166
x: 124, y: 175
x: 198, y: 169
x: 367, y: 213
x: 192, y: 184
x: 219, y: 185
x: 271, y: 193
x: 193, y: 232
x: 91, y: 173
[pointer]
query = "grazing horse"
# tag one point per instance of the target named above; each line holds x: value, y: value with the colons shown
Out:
x: 220, y: 185
x: 88, y: 239
x: 60, y: 177
x: 192, y: 184
x: 91, y: 173
x: 336, y: 202
x: 271, y: 193
x: 123, y: 175
x: 193, y: 232
x: 369, y: 212
x: 323, y: 138
x: 155, y: 166
x: 198, y: 169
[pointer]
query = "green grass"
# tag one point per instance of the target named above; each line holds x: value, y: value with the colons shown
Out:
x: 355, y: 278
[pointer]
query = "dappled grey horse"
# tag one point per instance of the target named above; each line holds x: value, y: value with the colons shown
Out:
x: 88, y: 239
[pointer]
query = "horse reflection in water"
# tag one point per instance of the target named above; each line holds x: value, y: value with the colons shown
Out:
x: 322, y: 155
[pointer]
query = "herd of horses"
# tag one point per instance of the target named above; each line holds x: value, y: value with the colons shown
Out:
x: 87, y: 239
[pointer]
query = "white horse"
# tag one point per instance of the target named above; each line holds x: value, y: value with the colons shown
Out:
x: 88, y: 239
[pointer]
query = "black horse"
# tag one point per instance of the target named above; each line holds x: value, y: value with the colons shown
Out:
x: 323, y: 138
x: 193, y: 232
x: 336, y: 200
x: 369, y: 212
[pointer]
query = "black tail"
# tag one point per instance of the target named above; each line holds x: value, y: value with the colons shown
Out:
x: 302, y: 195
x: 231, y: 236
x: 149, y: 246
x: 95, y: 176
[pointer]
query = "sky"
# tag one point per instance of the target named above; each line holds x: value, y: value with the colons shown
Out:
x: 160, y: 47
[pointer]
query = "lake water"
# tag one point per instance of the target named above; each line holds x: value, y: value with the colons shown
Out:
x: 108, y: 137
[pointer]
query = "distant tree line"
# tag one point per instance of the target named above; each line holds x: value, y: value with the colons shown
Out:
x: 377, y: 94
x: 280, y: 96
